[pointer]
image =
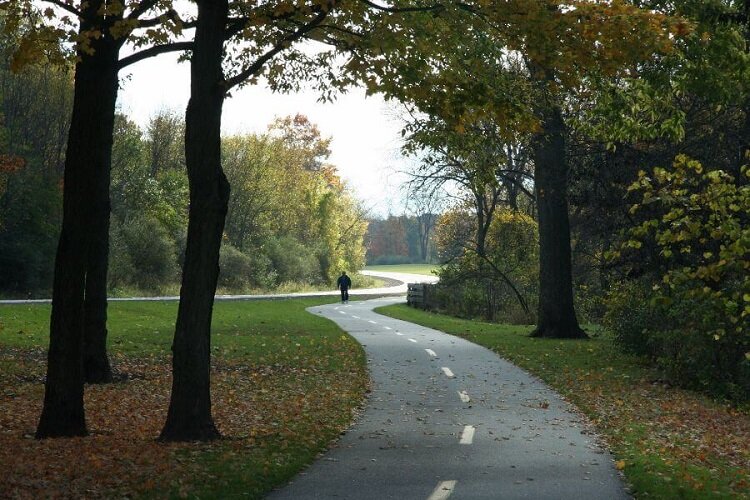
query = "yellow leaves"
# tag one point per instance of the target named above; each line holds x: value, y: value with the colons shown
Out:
x: 29, y: 52
x: 620, y: 464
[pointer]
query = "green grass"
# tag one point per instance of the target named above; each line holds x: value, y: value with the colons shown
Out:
x: 284, y: 384
x: 670, y: 443
x: 406, y: 268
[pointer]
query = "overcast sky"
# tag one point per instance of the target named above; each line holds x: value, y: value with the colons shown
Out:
x: 366, y: 135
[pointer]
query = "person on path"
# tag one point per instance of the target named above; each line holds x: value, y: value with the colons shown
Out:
x: 344, y: 283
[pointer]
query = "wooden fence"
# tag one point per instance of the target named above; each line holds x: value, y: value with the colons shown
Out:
x: 418, y: 295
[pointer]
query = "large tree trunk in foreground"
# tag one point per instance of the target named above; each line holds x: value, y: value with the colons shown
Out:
x: 189, y: 417
x: 87, y: 164
x: 557, y: 317
x: 96, y: 365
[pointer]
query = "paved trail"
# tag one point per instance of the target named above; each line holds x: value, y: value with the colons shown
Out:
x: 448, y: 418
x: 396, y: 284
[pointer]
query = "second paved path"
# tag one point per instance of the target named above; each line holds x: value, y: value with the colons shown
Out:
x: 448, y: 418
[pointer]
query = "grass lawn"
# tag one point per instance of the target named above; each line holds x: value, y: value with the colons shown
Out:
x: 670, y: 443
x: 284, y: 384
x: 406, y: 268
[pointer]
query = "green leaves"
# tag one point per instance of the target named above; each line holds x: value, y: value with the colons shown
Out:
x: 693, y: 233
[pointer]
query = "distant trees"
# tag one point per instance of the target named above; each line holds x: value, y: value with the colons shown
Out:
x: 34, y: 116
x: 289, y: 210
x: 402, y: 239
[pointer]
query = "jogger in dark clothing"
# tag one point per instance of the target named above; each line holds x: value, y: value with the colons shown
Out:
x: 344, y: 283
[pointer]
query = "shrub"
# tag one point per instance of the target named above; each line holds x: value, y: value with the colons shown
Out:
x: 143, y: 255
x: 293, y: 261
x: 29, y: 224
x: 689, y: 309
x: 489, y: 287
x: 391, y: 260
x: 239, y: 271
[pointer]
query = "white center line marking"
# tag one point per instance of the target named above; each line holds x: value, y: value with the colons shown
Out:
x: 342, y: 312
x: 373, y: 322
x: 412, y: 340
x: 443, y: 490
x: 464, y: 396
x: 467, y: 436
x: 388, y: 328
x: 355, y: 317
x: 448, y: 372
x: 399, y: 333
x: 431, y: 353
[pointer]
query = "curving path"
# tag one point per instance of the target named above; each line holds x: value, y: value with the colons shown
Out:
x: 448, y: 418
x: 396, y: 284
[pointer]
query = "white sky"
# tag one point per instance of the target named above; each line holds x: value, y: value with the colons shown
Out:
x: 366, y: 137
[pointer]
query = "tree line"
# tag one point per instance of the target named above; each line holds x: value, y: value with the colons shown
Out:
x: 401, y: 239
x: 290, y: 217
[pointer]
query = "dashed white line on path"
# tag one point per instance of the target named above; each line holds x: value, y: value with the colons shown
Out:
x: 467, y: 436
x: 355, y: 317
x: 448, y: 372
x: 388, y: 328
x: 443, y: 490
x: 412, y: 340
x: 373, y: 322
x: 464, y: 396
x: 342, y: 312
x: 400, y: 334
x: 431, y: 353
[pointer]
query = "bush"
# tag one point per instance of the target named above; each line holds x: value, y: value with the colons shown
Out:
x: 384, y: 260
x: 472, y: 286
x: 293, y: 261
x: 239, y: 271
x: 30, y: 210
x: 143, y: 254
x: 689, y: 309
x: 673, y: 335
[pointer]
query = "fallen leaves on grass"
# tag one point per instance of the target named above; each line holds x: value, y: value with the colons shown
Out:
x: 261, y: 410
x: 700, y: 442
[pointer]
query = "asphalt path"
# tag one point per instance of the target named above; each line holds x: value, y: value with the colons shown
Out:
x: 450, y: 419
x: 395, y: 284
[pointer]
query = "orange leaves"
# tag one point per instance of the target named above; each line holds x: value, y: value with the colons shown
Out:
x: 10, y: 164
x: 267, y: 412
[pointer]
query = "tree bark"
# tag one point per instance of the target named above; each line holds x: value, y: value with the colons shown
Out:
x: 189, y: 417
x: 97, y: 369
x: 87, y: 165
x: 556, y: 312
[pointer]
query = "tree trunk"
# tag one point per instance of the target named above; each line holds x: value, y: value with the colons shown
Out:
x: 87, y: 165
x: 189, y: 417
x: 97, y: 369
x: 96, y: 365
x: 557, y: 317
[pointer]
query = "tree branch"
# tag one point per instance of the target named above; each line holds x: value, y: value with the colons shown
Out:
x: 143, y: 7
x: 280, y: 46
x: 154, y: 51
x: 398, y: 10
x: 66, y: 7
